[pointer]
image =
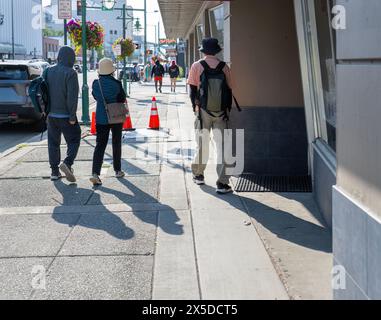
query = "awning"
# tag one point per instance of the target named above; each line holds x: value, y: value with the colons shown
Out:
x: 178, y: 16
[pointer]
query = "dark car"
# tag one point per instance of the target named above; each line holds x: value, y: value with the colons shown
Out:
x: 15, y: 104
x: 129, y: 74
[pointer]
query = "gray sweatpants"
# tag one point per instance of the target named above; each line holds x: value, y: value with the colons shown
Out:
x: 218, y: 125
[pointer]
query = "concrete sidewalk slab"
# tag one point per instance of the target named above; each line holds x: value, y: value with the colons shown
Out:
x: 17, y: 275
x: 175, y: 263
x: 291, y: 227
x: 233, y: 263
x: 98, y: 278
x: 27, y: 236
x: 37, y: 192
x: 112, y: 234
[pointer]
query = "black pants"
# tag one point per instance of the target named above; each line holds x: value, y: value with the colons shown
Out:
x: 103, y: 133
x: 72, y: 135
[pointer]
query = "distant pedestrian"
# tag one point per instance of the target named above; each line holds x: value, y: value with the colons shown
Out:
x: 211, y: 95
x: 174, y: 73
x: 158, y: 74
x: 62, y: 80
x: 110, y: 90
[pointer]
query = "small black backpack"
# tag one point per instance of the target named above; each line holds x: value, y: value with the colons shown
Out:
x: 39, y: 94
x: 214, y: 94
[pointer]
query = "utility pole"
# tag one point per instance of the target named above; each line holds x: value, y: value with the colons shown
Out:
x: 13, y: 31
x: 85, y: 87
x: 124, y: 60
x: 158, y: 37
x: 145, y: 32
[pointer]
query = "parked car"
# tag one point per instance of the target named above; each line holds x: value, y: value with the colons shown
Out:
x: 78, y: 68
x: 129, y: 73
x: 15, y: 104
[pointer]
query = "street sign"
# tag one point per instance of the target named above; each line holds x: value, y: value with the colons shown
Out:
x: 167, y: 41
x: 64, y: 9
x: 117, y: 50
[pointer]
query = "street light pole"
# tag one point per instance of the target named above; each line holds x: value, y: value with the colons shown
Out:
x: 124, y: 60
x: 85, y: 87
x: 65, y: 32
x: 13, y: 31
x: 145, y: 31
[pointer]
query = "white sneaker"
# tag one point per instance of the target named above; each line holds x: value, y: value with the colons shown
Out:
x: 95, y: 180
x: 120, y: 174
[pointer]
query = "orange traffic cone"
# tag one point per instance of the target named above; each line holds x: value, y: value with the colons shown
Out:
x: 154, y: 122
x: 127, y: 126
x: 93, y: 130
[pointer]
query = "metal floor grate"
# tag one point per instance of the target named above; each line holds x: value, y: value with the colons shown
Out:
x: 259, y: 183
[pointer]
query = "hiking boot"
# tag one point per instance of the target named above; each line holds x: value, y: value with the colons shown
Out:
x: 199, y: 180
x: 120, y: 174
x: 55, y: 176
x: 223, y: 188
x: 68, y: 172
x: 95, y: 180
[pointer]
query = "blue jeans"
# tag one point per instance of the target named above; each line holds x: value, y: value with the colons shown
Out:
x: 72, y: 135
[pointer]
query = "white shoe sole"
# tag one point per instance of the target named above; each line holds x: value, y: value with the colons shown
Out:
x: 199, y: 183
x: 224, y: 191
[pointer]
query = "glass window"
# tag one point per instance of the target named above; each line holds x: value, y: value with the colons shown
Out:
x: 216, y: 18
x: 200, y: 34
x: 326, y: 42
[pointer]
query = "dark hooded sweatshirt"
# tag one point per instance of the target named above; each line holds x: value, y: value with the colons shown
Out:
x: 63, y: 85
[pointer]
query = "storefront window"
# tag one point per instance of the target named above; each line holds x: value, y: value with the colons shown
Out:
x: 200, y: 34
x: 216, y: 18
x: 327, y: 54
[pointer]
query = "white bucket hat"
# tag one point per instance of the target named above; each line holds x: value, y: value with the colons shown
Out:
x: 106, y: 67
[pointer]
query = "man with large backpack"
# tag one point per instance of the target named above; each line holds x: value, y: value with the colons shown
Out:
x: 211, y: 94
x: 157, y: 74
x: 63, y: 86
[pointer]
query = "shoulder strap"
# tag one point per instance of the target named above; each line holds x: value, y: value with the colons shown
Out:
x: 221, y: 66
x: 205, y: 65
x: 100, y: 87
x: 236, y: 103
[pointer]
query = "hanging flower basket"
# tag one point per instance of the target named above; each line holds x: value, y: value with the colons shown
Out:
x: 95, y: 34
x: 127, y: 45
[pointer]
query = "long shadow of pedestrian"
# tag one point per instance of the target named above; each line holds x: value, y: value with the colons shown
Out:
x: 281, y: 223
x: 168, y: 223
x: 106, y: 220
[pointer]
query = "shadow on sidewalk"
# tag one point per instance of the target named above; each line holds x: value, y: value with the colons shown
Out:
x: 282, y: 223
x: 114, y: 226
x: 169, y: 224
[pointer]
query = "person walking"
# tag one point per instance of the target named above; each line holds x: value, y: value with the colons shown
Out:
x: 62, y: 80
x: 174, y: 72
x: 107, y: 90
x: 211, y: 95
x: 158, y: 73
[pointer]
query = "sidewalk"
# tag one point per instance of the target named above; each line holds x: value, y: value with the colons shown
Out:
x: 154, y: 234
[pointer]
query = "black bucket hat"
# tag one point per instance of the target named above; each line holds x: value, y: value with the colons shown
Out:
x: 210, y: 46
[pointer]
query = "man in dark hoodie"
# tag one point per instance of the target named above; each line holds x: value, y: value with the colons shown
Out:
x: 63, y: 97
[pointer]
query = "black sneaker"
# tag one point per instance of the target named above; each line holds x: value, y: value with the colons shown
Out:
x: 55, y: 176
x: 199, y: 180
x: 223, y: 188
